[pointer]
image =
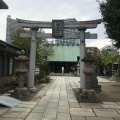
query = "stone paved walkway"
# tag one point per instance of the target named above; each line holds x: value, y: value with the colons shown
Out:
x: 58, y: 102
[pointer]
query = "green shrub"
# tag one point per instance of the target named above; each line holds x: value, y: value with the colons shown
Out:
x: 13, y: 79
x: 47, y: 79
x: 42, y: 74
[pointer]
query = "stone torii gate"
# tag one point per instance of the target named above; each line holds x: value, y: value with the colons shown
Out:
x: 35, y: 25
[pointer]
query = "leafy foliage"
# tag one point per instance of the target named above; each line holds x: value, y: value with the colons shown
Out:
x: 23, y: 43
x: 105, y: 60
x: 108, y: 57
x: 43, y: 49
x: 110, y: 11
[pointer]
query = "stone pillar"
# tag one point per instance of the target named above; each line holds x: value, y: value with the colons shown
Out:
x: 32, y: 60
x: 82, y: 55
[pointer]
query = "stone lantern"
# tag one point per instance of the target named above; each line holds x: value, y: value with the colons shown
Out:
x: 21, y: 91
x: 89, y: 70
x: 92, y: 86
x: 88, y: 94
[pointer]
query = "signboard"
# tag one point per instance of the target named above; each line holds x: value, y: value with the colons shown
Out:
x: 37, y: 71
x: 57, y: 28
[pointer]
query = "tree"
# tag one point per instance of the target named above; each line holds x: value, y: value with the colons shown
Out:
x: 110, y: 11
x: 43, y: 48
x: 23, y: 43
x: 105, y: 60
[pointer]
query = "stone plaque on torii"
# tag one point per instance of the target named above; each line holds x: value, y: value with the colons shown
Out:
x: 35, y: 25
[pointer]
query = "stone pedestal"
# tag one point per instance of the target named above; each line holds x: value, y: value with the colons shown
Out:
x: 94, y: 83
x: 21, y: 92
x: 115, y: 78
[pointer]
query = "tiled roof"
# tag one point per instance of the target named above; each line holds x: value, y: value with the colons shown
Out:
x: 65, y: 53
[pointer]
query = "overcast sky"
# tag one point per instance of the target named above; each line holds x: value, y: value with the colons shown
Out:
x: 46, y: 10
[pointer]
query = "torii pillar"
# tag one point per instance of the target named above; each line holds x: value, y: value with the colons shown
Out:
x: 32, y: 60
x: 82, y: 55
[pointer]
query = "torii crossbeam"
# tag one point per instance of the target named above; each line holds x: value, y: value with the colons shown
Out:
x: 80, y: 25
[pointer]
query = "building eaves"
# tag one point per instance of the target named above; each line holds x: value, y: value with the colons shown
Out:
x: 3, y: 5
x: 4, y: 44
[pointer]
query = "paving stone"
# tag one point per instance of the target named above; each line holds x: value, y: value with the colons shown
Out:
x: 73, y: 100
x: 69, y: 88
x: 20, y: 109
x: 3, y: 109
x: 111, y: 106
x: 74, y: 105
x: 55, y: 96
x: 50, y: 113
x: 81, y: 112
x: 91, y: 105
x: 46, y: 98
x: 63, y: 116
x: 118, y: 111
x: 49, y: 92
x: 117, y: 118
x: 63, y: 96
x: 63, y: 91
x: 98, y: 118
x: 25, y: 105
x: 63, y: 109
x: 106, y: 113
x: 71, y: 97
x: 56, y: 92
x: 34, y: 116
x: 53, y: 100
x: 75, y: 117
x: 118, y: 103
x: 63, y: 103
x: 42, y: 102
x: 52, y: 105
x: 29, y: 103
x: 39, y: 109
x: 10, y: 119
x: 73, y: 86
x: 63, y: 99
x: 48, y: 118
x: 70, y: 93
x: 110, y: 103
x: 11, y: 114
